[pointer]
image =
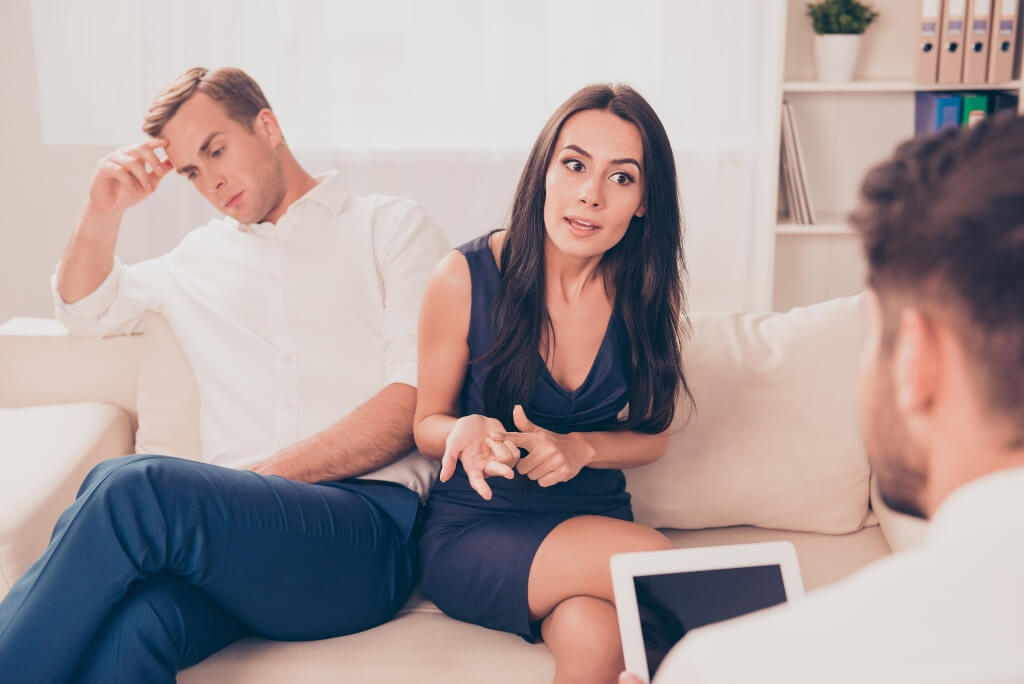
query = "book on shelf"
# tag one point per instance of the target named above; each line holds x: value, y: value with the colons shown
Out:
x: 1001, y: 101
x: 935, y: 111
x: 975, y: 109
x: 793, y: 171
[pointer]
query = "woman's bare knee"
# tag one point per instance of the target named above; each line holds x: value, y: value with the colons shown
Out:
x: 583, y: 635
x: 650, y: 539
x: 574, y: 559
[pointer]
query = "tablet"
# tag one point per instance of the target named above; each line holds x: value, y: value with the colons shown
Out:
x: 661, y: 595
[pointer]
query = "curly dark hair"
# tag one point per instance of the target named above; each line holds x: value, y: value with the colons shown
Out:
x: 943, y: 227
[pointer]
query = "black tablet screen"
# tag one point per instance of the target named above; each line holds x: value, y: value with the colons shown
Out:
x: 672, y: 604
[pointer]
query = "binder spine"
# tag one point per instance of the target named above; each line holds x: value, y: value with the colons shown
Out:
x: 976, y: 41
x: 1003, y: 44
x: 951, y: 59
x: 927, y: 66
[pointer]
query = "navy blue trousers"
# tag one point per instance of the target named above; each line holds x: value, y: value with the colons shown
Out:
x: 160, y: 562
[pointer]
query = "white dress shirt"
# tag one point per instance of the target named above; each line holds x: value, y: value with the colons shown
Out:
x: 288, y: 327
x: 949, y: 611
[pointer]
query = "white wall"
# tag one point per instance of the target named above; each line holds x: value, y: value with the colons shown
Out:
x: 35, y: 180
x: 42, y: 187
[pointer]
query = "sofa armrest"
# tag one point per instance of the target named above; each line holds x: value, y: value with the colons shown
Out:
x: 41, y: 363
x: 45, y: 453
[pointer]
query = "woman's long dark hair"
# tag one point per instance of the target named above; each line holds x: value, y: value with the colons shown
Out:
x: 645, y: 270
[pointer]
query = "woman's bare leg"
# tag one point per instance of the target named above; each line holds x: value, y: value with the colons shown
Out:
x: 570, y: 590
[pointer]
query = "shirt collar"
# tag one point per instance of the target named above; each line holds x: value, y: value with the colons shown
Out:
x: 989, y: 503
x: 328, y: 192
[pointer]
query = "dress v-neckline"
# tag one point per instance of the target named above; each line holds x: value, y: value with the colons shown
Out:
x: 593, y: 363
x: 543, y: 364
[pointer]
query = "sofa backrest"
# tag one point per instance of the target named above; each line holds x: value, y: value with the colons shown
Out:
x: 774, y: 441
x: 167, y: 397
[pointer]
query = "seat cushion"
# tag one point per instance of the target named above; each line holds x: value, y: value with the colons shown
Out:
x: 823, y: 558
x: 45, y: 453
x: 422, y: 645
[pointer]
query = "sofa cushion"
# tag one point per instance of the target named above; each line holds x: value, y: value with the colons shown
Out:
x: 40, y: 363
x: 47, y: 452
x: 775, y: 439
x: 422, y: 645
x: 823, y: 558
x: 167, y: 397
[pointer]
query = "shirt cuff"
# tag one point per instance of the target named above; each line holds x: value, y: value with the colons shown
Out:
x: 94, y: 304
x: 401, y: 371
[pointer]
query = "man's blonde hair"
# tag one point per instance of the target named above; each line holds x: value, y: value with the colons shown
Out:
x: 234, y: 89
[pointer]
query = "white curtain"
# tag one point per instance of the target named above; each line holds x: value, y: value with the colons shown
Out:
x: 440, y: 100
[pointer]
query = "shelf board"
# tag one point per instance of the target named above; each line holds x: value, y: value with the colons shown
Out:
x: 820, y: 228
x: 889, y: 86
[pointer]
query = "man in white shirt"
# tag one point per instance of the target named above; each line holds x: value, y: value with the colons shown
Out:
x: 942, y: 396
x: 297, y: 311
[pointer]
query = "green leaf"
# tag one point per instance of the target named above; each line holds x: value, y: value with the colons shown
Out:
x: 840, y: 16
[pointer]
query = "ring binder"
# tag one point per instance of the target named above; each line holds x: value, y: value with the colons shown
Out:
x: 927, y: 69
x: 1003, y: 42
x: 976, y: 41
x: 951, y: 57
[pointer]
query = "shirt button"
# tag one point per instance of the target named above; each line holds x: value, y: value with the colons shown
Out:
x: 287, y: 358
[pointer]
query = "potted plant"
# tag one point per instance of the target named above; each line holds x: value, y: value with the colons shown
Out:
x: 838, y: 27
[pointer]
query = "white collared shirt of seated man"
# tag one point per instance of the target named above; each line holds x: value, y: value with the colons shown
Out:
x: 287, y: 327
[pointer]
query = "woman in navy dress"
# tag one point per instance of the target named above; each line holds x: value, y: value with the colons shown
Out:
x: 556, y: 339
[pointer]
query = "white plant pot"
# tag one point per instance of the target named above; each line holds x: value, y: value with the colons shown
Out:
x: 836, y: 55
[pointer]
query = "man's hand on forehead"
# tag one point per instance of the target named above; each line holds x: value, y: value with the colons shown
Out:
x: 159, y: 147
x: 129, y: 175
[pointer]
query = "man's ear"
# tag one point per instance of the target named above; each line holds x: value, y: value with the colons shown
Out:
x: 916, y: 362
x: 266, y: 124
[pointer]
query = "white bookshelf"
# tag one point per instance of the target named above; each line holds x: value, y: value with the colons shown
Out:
x: 870, y: 86
x: 845, y: 129
x: 827, y: 224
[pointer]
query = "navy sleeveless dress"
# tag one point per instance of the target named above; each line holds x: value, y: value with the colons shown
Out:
x: 475, y: 554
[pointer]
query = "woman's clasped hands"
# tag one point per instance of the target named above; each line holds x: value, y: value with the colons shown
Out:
x: 486, y: 449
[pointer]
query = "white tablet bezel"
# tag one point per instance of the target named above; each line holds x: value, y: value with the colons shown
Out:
x: 626, y: 566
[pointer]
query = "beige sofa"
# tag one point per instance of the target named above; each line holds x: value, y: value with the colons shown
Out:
x: 772, y: 452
